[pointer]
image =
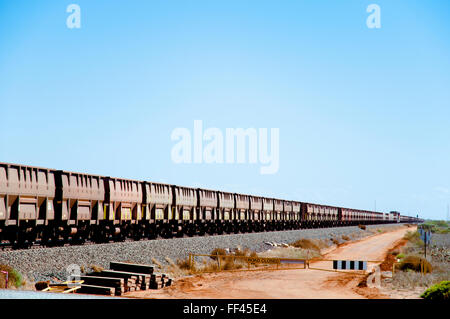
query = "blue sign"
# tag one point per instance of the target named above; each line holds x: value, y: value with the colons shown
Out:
x: 425, y: 235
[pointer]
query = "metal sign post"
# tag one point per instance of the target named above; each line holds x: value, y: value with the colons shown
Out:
x: 425, y: 241
x: 425, y: 235
x: 6, y: 280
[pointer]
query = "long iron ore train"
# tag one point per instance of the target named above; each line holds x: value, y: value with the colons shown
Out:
x: 54, y: 206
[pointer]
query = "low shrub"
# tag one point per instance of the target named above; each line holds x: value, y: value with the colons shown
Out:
x: 442, y: 231
x: 440, y: 291
x: 229, y: 264
x: 218, y: 252
x: 306, y: 244
x: 414, y: 263
x: 253, y: 254
x: 183, y: 264
x: 363, y: 227
x: 96, y: 268
x: 344, y: 237
x: 400, y: 256
x: 242, y: 253
x: 438, y: 223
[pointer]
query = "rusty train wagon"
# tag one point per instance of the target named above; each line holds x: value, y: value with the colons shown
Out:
x: 268, y: 213
x: 185, y: 201
x: 56, y: 206
x: 208, y: 208
x: 26, y: 203
x: 78, y: 207
x: 242, y: 207
x: 257, y: 214
x: 122, y: 207
x: 160, y: 217
x: 287, y: 215
x: 296, y: 212
x: 226, y: 211
x: 278, y: 208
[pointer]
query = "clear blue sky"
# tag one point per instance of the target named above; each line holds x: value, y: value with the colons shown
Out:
x: 364, y: 114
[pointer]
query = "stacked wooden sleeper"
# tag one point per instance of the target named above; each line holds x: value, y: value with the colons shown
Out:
x: 124, y: 277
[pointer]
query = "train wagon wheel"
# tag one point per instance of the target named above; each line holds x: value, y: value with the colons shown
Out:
x: 20, y: 241
x: 212, y: 229
x: 137, y: 232
x: 100, y: 234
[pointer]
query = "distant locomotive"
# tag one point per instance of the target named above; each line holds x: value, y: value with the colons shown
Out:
x: 54, y: 207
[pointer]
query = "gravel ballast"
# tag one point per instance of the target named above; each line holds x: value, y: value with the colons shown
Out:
x: 50, y: 263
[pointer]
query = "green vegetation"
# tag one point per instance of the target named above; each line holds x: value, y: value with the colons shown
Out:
x: 395, y: 252
x: 414, y: 238
x: 14, y: 277
x: 437, y: 226
x: 439, y: 291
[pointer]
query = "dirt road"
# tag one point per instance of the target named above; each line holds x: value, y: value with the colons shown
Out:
x: 290, y: 284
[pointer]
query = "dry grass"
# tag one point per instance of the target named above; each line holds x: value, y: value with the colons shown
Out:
x: 96, y: 268
x: 291, y: 252
x: 344, y: 237
x: 157, y: 263
x: 219, y: 261
x: 218, y: 252
x: 231, y: 263
x: 335, y: 241
x: 438, y: 262
x: 183, y: 264
x: 306, y: 244
x: 412, y: 279
x: 414, y: 238
x: 301, y: 249
x: 395, y: 252
x: 242, y: 253
x: 175, y: 270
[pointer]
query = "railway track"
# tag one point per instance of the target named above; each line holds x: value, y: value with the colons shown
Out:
x: 6, y: 246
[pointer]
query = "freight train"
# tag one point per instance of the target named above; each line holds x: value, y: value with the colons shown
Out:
x: 51, y: 207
